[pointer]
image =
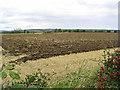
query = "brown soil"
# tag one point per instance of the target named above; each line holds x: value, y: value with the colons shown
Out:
x: 36, y: 46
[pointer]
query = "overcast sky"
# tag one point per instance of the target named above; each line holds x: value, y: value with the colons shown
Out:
x: 27, y: 14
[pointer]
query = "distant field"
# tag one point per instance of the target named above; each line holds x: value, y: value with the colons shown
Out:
x: 37, y: 46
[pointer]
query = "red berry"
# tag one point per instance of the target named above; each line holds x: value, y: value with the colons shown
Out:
x: 106, y: 79
x: 115, y: 62
x: 98, y: 86
x: 102, y: 68
x: 101, y: 77
x: 98, y: 75
x: 112, y: 63
x: 101, y: 81
x: 98, y: 79
x: 112, y: 75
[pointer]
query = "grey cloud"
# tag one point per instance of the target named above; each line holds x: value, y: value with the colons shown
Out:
x: 111, y: 5
x: 65, y: 21
x: 30, y: 19
x: 109, y: 22
x: 7, y: 12
x: 3, y: 22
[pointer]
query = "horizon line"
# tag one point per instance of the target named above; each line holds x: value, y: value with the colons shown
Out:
x: 56, y: 28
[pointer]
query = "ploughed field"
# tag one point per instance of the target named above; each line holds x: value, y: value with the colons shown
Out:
x: 36, y: 46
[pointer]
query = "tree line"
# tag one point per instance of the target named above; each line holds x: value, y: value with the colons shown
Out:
x: 80, y: 30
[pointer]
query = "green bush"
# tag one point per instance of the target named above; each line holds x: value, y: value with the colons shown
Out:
x: 109, y: 74
x: 115, y: 31
x: 108, y: 31
x: 36, y: 80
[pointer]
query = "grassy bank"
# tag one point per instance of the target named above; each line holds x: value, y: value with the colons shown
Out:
x: 84, y: 77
